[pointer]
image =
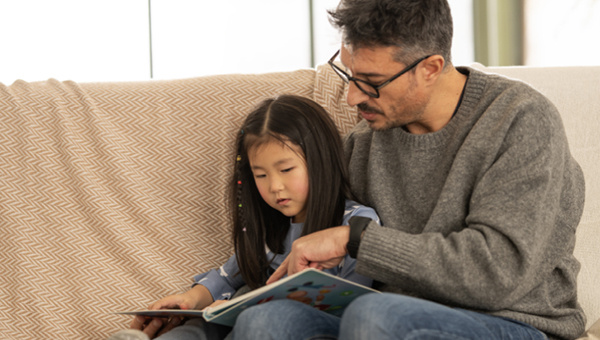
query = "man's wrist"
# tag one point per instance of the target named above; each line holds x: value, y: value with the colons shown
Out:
x: 358, y: 224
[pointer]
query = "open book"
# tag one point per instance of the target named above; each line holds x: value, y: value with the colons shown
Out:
x: 326, y: 292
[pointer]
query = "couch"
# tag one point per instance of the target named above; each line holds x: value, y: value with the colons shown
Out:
x: 112, y: 195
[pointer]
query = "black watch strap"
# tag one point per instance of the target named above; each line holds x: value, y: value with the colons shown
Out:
x: 357, y: 225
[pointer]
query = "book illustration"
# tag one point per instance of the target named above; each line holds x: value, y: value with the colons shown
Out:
x: 315, y: 295
x: 323, y: 291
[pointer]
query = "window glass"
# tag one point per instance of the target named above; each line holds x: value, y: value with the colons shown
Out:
x: 193, y: 38
x: 72, y: 39
x: 115, y: 40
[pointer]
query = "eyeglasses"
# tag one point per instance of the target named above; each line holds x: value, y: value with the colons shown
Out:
x: 367, y: 88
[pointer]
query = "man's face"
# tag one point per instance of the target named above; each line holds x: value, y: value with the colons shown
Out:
x: 401, y: 103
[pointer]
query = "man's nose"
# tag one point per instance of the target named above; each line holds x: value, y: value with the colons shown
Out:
x: 355, y: 96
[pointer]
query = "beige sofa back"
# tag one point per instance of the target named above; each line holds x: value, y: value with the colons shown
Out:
x: 112, y: 195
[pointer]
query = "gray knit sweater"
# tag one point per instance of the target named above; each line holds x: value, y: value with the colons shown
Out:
x: 481, y: 214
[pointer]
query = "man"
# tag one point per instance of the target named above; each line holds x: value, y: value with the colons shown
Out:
x: 477, y: 191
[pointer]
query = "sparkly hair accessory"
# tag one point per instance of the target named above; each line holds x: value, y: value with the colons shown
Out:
x: 238, y: 158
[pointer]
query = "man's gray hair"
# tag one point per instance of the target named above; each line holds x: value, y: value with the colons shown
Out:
x: 417, y: 27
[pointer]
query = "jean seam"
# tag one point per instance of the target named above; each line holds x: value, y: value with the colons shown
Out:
x: 445, y: 335
x: 322, y: 337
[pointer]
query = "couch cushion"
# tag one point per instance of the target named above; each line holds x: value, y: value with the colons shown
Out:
x: 593, y: 333
x: 330, y: 92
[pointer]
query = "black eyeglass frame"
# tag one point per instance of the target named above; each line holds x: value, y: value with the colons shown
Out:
x: 347, y: 78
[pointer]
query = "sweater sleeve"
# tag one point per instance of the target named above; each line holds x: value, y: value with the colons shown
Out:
x: 523, y: 197
x: 222, y: 283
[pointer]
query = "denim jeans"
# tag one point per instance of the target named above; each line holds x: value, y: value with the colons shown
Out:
x: 196, y: 329
x: 193, y: 329
x: 377, y: 316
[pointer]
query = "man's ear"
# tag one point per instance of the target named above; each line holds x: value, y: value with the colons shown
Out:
x: 433, y: 67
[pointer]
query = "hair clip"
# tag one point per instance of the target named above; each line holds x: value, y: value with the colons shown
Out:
x: 239, y: 182
x: 239, y: 158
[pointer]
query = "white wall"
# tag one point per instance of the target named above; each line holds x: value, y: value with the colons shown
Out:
x: 560, y: 32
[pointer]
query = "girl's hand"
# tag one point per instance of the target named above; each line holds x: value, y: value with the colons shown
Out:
x: 195, y: 298
x: 322, y: 249
x: 154, y: 327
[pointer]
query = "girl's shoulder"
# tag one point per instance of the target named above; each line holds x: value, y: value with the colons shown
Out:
x: 356, y: 209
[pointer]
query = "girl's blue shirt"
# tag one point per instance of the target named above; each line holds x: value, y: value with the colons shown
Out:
x: 223, y: 282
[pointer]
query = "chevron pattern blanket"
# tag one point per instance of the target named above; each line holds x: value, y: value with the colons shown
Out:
x: 112, y: 195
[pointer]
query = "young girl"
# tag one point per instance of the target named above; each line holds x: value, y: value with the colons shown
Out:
x: 289, y: 180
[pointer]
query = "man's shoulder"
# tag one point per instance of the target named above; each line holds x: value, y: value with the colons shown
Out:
x: 498, y: 95
x: 494, y: 84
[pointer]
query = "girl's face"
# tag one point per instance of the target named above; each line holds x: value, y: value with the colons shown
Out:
x: 281, y: 176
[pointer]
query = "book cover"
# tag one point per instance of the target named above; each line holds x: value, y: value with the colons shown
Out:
x: 328, y: 293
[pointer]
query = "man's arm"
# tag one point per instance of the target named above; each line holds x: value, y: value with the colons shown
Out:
x: 511, y: 234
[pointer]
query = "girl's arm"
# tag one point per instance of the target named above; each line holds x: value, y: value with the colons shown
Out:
x: 222, y: 283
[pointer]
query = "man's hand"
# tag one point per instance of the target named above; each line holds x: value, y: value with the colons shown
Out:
x: 322, y: 249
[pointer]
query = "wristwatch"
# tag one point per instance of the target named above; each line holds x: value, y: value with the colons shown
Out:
x: 357, y: 225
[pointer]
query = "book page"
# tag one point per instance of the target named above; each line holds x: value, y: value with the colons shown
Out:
x: 325, y: 292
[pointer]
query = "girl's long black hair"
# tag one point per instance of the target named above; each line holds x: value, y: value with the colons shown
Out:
x: 304, y: 123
